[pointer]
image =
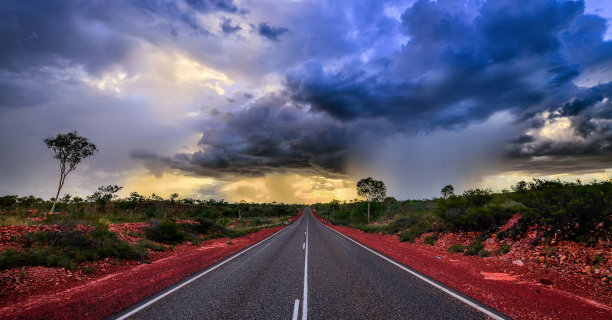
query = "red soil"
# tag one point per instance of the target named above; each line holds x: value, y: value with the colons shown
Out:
x: 56, y: 293
x: 521, y: 292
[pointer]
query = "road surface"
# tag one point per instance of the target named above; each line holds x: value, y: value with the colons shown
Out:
x: 307, y: 271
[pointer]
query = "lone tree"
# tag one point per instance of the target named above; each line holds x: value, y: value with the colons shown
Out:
x: 447, y: 191
x: 242, y: 207
x: 70, y: 149
x: 104, y: 195
x: 371, y: 190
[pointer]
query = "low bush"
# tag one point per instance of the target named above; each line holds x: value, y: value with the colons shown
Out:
x: 148, y: 244
x: 88, y: 270
x: 456, y: 248
x: 505, y: 248
x: 156, y: 212
x: 166, y: 232
x: 406, y: 236
x: 412, y: 234
x: 475, y: 210
x: 573, y: 210
x: 475, y: 248
x: 483, y: 253
x: 223, y: 221
x: 68, y: 247
x: 374, y: 228
x: 431, y: 240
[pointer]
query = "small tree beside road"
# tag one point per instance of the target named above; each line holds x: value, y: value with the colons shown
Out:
x: 371, y: 190
x: 447, y: 191
x: 104, y: 195
x: 70, y: 149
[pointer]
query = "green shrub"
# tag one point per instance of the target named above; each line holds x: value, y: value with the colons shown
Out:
x: 235, y: 233
x: 474, y: 248
x: 223, y: 221
x: 165, y: 232
x: 431, y: 240
x: 505, y: 248
x: 148, y: 244
x: 359, y: 212
x: 410, y: 235
x: 206, y: 214
x: 483, y: 253
x: 475, y: 210
x: 456, y: 248
x: 373, y: 228
x: 68, y: 247
x: 88, y: 270
x: 12, y: 258
x: 155, y: 212
x: 598, y: 260
x: 573, y: 209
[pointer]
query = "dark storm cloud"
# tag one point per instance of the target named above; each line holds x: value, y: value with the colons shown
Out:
x: 228, y: 28
x: 590, y: 114
x: 270, y: 135
x: 355, y: 73
x: 93, y: 34
x: 460, y: 66
x: 458, y: 69
x: 214, y: 5
x: 270, y: 32
x: 454, y: 70
x: 35, y: 34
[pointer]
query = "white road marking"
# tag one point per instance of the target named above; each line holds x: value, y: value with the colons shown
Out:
x: 125, y: 316
x: 296, y: 307
x: 303, y: 245
x: 305, y: 294
x: 429, y: 281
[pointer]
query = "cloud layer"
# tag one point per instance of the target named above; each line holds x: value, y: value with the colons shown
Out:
x: 242, y: 90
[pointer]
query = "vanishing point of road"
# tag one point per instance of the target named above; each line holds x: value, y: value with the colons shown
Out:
x: 307, y: 271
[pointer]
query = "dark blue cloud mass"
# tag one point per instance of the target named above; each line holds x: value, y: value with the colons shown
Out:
x: 456, y: 69
x: 270, y: 32
x: 352, y: 73
x: 513, y: 56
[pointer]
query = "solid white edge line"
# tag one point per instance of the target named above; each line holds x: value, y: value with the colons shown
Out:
x: 125, y: 316
x: 429, y: 281
x: 305, y: 294
x: 296, y: 307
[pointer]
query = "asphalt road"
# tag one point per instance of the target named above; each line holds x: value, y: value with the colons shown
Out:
x: 305, y: 271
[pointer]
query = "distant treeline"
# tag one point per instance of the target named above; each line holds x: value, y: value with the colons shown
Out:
x: 136, y: 207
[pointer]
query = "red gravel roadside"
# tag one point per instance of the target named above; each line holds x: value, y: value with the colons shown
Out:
x: 483, y: 281
x: 108, y: 294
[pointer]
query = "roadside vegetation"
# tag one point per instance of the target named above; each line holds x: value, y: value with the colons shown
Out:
x: 81, y: 231
x: 572, y: 211
x: 83, y: 234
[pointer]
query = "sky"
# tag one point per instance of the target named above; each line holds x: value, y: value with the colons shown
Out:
x: 294, y: 101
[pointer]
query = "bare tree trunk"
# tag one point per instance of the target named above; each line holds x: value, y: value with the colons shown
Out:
x: 59, y: 188
x: 368, y: 211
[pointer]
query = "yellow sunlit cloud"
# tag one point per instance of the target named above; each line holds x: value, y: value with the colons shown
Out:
x: 289, y: 188
x: 286, y: 188
x: 508, y: 179
x: 111, y: 82
x: 187, y: 71
x: 170, y: 82
x: 168, y: 183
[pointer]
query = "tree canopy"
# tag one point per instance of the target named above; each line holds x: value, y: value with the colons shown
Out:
x: 372, y: 190
x: 70, y: 149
